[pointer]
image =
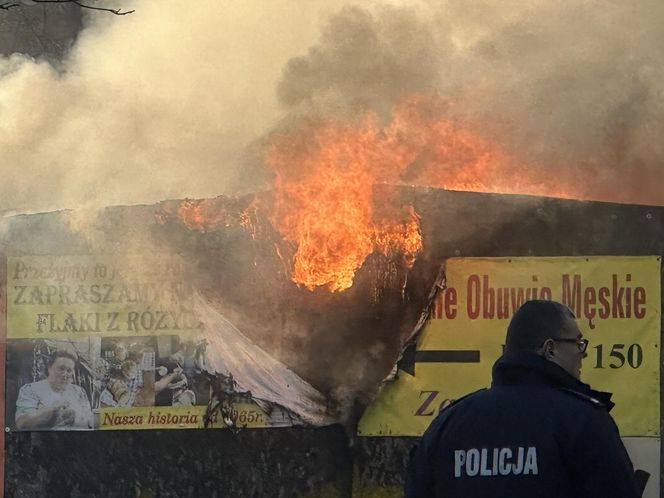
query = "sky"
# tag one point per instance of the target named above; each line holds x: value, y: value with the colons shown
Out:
x: 178, y: 100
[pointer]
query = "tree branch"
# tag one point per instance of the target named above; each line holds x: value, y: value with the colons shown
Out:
x: 117, y: 12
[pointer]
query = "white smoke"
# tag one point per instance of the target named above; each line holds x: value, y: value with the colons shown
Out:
x: 164, y: 102
x: 153, y: 105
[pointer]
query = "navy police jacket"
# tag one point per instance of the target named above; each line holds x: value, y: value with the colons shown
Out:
x: 537, y: 432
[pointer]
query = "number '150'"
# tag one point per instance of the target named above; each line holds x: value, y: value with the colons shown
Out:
x: 619, y: 356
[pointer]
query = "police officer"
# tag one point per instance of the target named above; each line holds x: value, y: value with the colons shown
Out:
x: 537, y: 432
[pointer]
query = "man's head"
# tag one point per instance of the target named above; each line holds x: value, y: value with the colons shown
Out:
x: 549, y: 329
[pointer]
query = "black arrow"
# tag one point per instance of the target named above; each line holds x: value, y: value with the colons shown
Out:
x: 448, y: 356
x: 411, y: 356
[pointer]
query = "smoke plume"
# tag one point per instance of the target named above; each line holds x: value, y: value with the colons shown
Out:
x: 166, y: 102
x: 157, y: 104
x: 572, y: 90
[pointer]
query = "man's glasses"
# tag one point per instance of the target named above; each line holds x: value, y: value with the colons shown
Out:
x: 582, y: 344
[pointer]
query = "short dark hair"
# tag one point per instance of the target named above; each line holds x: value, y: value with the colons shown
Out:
x: 535, y: 322
x: 60, y: 354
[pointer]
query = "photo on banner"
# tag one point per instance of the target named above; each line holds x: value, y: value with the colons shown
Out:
x: 51, y: 384
x: 110, y: 343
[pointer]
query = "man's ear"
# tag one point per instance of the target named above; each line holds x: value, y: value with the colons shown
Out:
x: 548, y: 349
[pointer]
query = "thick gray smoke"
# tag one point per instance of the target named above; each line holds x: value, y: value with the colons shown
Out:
x: 573, y: 89
x: 164, y: 103
x: 364, y: 61
x: 154, y: 105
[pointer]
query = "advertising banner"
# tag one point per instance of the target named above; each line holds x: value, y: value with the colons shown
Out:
x: 97, y: 344
x: 616, y: 300
x: 59, y: 297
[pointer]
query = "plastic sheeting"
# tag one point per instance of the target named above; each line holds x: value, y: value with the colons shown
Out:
x: 229, y: 352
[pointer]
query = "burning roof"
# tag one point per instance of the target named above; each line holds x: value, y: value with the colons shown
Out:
x: 342, y: 341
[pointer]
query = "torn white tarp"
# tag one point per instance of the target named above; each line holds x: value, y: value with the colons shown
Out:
x: 230, y: 352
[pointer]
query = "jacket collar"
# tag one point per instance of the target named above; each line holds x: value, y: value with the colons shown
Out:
x: 526, y: 368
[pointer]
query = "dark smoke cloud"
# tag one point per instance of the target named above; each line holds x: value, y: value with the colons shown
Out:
x: 573, y: 87
x: 163, y: 103
x: 364, y: 61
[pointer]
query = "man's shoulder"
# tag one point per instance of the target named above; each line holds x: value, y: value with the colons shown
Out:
x: 543, y: 399
x: 583, y: 399
x: 558, y: 393
x: 464, y: 400
x: 440, y: 421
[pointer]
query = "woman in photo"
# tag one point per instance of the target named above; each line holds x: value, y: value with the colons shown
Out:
x: 55, y: 402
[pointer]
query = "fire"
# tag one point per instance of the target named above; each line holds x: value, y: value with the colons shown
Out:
x: 191, y: 214
x: 325, y: 172
x: 324, y: 179
x: 204, y: 215
x: 402, y: 237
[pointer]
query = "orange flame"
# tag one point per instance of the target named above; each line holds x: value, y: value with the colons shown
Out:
x: 323, y: 199
x: 191, y: 214
x: 325, y: 172
x: 401, y: 237
x: 204, y: 215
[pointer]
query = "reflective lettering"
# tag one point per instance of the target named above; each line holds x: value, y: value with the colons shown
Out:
x: 530, y: 467
x: 472, y: 462
x: 503, y: 461
x: 489, y: 462
x: 517, y: 467
x: 459, y: 460
x: 485, y: 470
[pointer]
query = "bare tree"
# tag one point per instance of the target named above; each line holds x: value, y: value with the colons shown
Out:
x: 18, y: 3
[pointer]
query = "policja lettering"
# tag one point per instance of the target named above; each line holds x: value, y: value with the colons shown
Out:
x: 474, y: 462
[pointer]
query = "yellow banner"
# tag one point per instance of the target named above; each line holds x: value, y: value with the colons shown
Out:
x: 616, y: 300
x: 240, y: 415
x: 80, y: 296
